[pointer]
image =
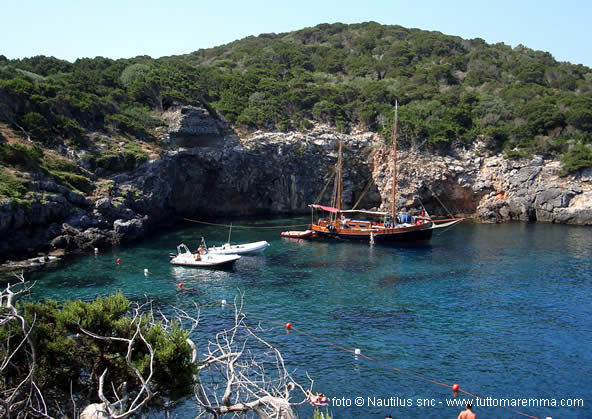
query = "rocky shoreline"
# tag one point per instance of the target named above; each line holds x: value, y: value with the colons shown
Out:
x: 211, y: 172
x: 492, y: 189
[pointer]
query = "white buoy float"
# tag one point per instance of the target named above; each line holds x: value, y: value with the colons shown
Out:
x: 146, y: 272
x: 223, y: 303
x: 357, y: 351
x: 96, y: 251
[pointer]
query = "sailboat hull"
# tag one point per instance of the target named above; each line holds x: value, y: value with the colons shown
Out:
x: 401, y: 235
x: 407, y: 236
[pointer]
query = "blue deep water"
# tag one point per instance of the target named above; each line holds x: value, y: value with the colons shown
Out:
x: 503, y: 310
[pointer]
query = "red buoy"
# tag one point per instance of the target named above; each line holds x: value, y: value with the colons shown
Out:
x: 118, y: 260
x: 455, y: 387
x: 288, y: 326
x: 180, y: 286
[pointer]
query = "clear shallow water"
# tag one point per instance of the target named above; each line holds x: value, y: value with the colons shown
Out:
x: 502, y: 310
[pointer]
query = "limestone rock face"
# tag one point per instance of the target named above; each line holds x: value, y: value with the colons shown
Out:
x: 192, y: 126
x: 268, y: 173
x: 491, y: 189
x: 210, y: 172
x: 113, y: 210
x: 131, y: 229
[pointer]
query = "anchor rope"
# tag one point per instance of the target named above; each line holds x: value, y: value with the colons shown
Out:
x: 243, y: 227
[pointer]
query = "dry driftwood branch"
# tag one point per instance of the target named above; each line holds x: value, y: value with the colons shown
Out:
x: 241, y: 372
x: 119, y: 408
x: 25, y: 395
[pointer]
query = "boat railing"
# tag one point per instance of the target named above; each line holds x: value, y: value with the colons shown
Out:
x: 182, y: 248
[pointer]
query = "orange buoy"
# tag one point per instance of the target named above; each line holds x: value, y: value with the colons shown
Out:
x: 455, y: 387
x: 288, y: 326
x: 118, y: 260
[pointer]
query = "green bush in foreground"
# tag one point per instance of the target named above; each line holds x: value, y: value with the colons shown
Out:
x: 66, y: 356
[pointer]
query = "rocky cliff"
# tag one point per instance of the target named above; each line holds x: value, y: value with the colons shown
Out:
x: 489, y: 188
x: 211, y: 172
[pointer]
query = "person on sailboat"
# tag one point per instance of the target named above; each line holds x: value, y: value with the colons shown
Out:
x: 343, y: 221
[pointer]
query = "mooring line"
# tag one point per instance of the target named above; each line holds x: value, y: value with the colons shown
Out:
x: 356, y: 352
x: 244, y: 227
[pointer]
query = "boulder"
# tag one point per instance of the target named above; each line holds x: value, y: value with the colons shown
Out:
x: 194, y: 126
x: 113, y: 210
x: 93, y: 237
x: 578, y: 216
x: 78, y: 199
x: 128, y: 230
x: 64, y: 241
x: 83, y: 220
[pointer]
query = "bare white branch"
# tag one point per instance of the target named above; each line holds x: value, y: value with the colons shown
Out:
x: 239, y: 372
x: 245, y: 373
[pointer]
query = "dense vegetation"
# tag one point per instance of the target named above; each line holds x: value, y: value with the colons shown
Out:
x: 451, y: 91
x: 69, y: 362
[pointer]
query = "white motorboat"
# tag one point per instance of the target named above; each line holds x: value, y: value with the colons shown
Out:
x: 202, y: 258
x: 239, y: 249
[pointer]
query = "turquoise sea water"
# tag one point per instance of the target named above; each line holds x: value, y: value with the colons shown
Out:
x: 503, y: 310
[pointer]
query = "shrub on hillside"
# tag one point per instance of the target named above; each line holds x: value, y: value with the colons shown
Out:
x: 11, y: 186
x: 579, y: 157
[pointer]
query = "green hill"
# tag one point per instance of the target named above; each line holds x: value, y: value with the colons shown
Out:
x: 451, y: 91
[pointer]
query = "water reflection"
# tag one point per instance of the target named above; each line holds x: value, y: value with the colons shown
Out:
x: 188, y: 275
x: 429, y: 309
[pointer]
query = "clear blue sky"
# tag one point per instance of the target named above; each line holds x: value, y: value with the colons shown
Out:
x: 109, y: 28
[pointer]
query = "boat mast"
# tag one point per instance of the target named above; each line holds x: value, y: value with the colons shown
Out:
x: 339, y: 186
x: 394, y: 161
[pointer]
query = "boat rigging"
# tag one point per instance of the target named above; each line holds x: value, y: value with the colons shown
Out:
x: 376, y: 226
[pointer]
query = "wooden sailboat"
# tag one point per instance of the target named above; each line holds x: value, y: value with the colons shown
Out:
x: 373, y: 225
